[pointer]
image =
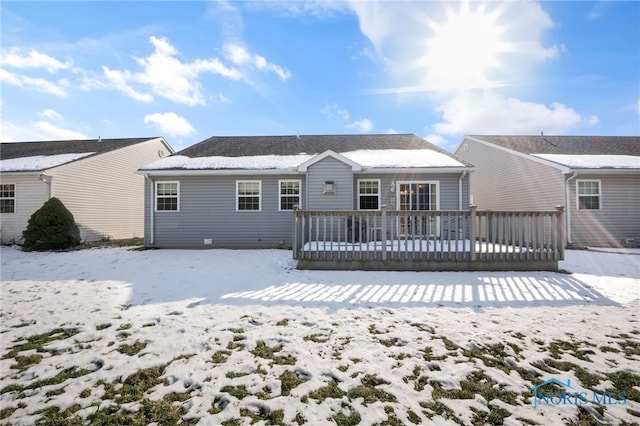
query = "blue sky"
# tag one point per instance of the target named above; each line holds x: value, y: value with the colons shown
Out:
x: 190, y: 70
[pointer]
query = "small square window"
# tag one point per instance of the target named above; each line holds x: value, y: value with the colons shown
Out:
x: 588, y: 193
x: 329, y: 187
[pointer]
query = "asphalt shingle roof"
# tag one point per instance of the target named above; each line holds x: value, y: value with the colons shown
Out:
x: 244, y: 146
x: 568, y: 145
x: 10, y: 150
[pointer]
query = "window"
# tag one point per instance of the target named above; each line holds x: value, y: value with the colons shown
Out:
x: 248, y: 193
x: 289, y: 194
x: 329, y: 187
x: 167, y: 196
x: 368, y: 194
x: 588, y: 195
x: 7, y: 198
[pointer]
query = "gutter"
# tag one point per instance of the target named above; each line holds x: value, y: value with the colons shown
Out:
x: 568, y: 205
x: 151, y: 211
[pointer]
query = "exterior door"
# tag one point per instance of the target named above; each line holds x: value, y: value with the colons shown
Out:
x: 418, y: 196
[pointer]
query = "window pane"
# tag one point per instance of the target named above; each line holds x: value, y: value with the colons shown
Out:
x: 369, y: 202
x: 7, y: 206
x: 589, y: 202
x: 248, y: 203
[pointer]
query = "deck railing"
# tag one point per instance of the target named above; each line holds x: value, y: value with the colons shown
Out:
x: 459, y: 236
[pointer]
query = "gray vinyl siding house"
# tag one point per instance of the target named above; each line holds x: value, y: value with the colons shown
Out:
x: 95, y: 179
x: 239, y: 192
x: 595, y: 178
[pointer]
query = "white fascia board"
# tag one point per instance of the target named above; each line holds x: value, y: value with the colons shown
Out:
x: 563, y: 169
x: 220, y: 172
x: 396, y: 170
x: 354, y: 166
x: 606, y: 171
x: 24, y: 173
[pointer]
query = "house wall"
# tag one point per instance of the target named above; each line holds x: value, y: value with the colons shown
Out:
x: 618, y: 216
x: 208, y: 211
x: 31, y: 193
x: 330, y: 169
x: 104, y: 193
x: 506, y: 181
x: 448, y: 188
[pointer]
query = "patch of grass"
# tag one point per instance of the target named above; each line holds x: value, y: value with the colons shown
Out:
x: 558, y: 347
x: 103, y: 326
x: 624, y: 381
x: 330, y: 391
x: 369, y: 392
x: 630, y: 347
x: 495, y: 415
x: 316, y: 338
x: 132, y: 350
x: 437, y: 408
x: 299, y: 418
x: 56, y: 416
x: 55, y: 392
x: 423, y: 327
x: 477, y: 383
x: 232, y: 422
x: 374, y: 330
x: 24, y: 362
x: 61, y: 377
x: 38, y: 341
x: 342, y: 419
x: 125, y: 326
x: 218, y: 405
x: 413, y: 417
x: 526, y: 421
x: 239, y: 392
x: 233, y: 374
x: 283, y: 322
x: 263, y: 351
x: 428, y: 355
x: 220, y: 357
x: 289, y: 380
x: 86, y: 393
x: 609, y: 349
x: 262, y: 413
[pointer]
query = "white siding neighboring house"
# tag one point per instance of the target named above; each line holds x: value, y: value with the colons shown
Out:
x: 95, y: 179
x: 595, y: 178
x: 239, y: 192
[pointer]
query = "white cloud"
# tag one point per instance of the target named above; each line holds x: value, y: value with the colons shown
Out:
x: 17, y: 58
x: 391, y: 132
x: 363, y: 126
x: 37, y: 131
x: 36, y: 84
x: 333, y: 110
x: 166, y: 76
x: 170, y: 123
x: 436, y: 139
x: 242, y: 57
x: 49, y: 114
x: 494, y: 114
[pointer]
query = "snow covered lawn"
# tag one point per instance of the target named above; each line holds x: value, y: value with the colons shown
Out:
x: 223, y: 337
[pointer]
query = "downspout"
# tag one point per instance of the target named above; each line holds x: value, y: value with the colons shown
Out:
x: 43, y: 177
x: 568, y: 205
x: 464, y: 173
x: 151, y: 210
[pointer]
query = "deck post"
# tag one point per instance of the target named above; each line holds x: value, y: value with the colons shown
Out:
x: 383, y: 232
x: 561, y: 231
x: 472, y: 232
x: 294, y: 242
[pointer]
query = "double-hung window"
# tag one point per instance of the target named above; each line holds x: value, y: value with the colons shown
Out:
x: 369, y: 194
x: 289, y: 194
x: 167, y: 196
x: 7, y: 198
x: 588, y: 193
x: 248, y: 194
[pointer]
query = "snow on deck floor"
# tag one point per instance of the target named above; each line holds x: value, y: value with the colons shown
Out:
x: 409, y: 245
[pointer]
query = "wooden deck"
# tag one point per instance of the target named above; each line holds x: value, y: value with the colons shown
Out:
x: 429, y: 240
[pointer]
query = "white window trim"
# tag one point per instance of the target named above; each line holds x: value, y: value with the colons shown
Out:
x: 14, y: 198
x: 379, y: 193
x: 585, y: 195
x: 259, y: 182
x: 280, y: 182
x: 155, y: 189
x: 427, y: 182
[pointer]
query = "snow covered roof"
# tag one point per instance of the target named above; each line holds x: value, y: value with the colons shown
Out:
x: 594, y: 161
x: 41, y: 155
x: 39, y: 162
x: 389, y: 158
x: 290, y: 152
x: 567, y: 145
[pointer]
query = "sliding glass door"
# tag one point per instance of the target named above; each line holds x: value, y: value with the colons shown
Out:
x: 418, y: 196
